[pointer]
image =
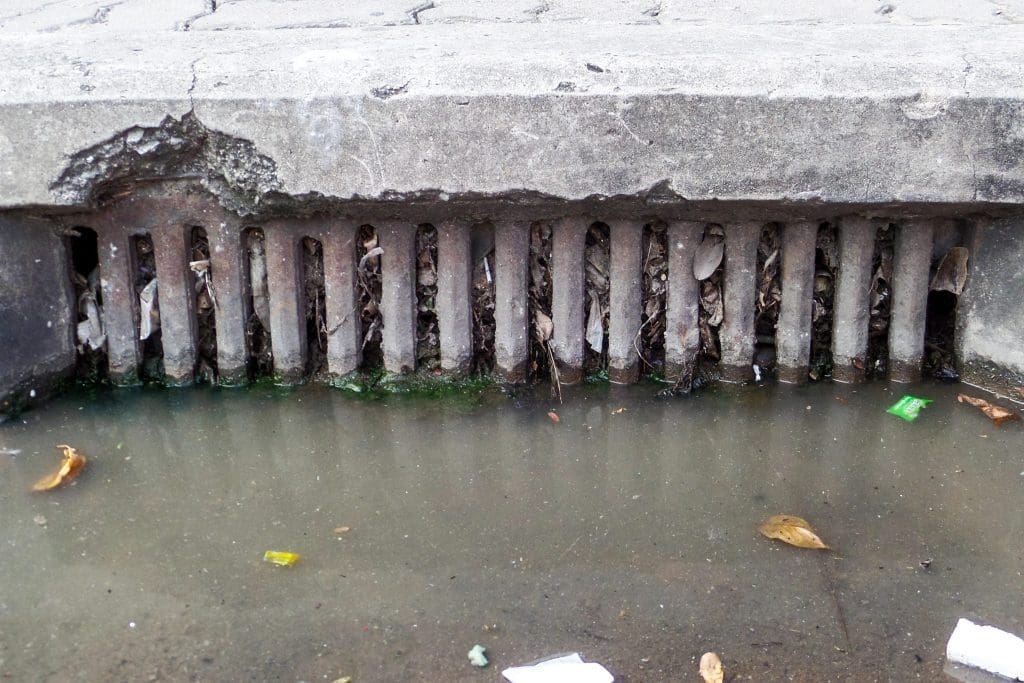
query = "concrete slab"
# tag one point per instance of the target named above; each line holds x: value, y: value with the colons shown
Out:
x: 37, y: 304
x: 917, y: 112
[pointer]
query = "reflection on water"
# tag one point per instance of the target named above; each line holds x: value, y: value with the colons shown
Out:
x: 627, y: 531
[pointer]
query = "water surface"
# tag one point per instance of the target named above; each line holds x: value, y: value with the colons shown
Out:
x: 627, y: 531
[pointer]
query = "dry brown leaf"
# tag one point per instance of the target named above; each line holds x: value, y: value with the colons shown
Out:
x: 708, y: 257
x: 342, y: 529
x: 995, y: 413
x: 554, y: 416
x: 792, y: 530
x: 69, y: 468
x: 711, y: 668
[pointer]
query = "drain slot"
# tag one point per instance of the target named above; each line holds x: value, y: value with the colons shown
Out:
x: 257, y: 308
x: 596, y: 291
x: 370, y: 289
x: 205, y: 306
x: 91, y: 338
x: 482, y: 247
x: 769, y: 297
x: 650, y: 337
x: 314, y: 295
x: 147, y: 308
x: 826, y: 264
x: 428, y: 336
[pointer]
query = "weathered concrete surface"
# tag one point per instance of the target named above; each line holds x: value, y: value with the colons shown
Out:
x: 852, y: 305
x: 36, y: 303
x: 891, y: 111
x: 990, y: 334
x: 912, y: 255
x: 793, y: 333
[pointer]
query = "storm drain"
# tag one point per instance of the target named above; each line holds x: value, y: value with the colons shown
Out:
x: 322, y: 297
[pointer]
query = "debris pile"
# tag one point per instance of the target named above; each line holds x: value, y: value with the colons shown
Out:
x: 369, y: 290
x: 428, y: 337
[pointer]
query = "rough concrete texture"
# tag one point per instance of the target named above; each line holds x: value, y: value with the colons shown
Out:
x: 172, y: 250
x: 228, y: 262
x: 625, y: 300
x: 37, y: 304
x: 398, y: 298
x: 920, y: 103
x: 793, y: 331
x: 344, y: 327
x: 287, y: 321
x: 851, y: 308
x: 991, y: 312
x: 120, y: 304
x: 682, y: 313
x: 911, y: 264
x: 511, y: 298
x: 740, y: 292
x: 567, y: 276
x: 454, y: 281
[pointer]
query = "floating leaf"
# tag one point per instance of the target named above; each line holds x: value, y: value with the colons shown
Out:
x: 280, y: 558
x: 708, y: 256
x: 69, y: 468
x: 792, y: 530
x: 995, y: 413
x: 342, y: 529
x: 554, y: 416
x: 711, y: 668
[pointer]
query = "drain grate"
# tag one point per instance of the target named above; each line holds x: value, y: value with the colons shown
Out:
x: 429, y: 292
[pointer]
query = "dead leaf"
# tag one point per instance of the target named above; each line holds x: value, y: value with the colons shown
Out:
x: 69, y: 468
x: 792, y: 530
x: 554, y: 416
x: 708, y: 257
x: 711, y: 668
x: 951, y: 275
x: 543, y: 325
x: 995, y: 413
x: 342, y: 529
x: 618, y: 411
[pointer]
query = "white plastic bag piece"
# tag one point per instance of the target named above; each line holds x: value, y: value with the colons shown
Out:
x: 987, y: 648
x: 564, y: 669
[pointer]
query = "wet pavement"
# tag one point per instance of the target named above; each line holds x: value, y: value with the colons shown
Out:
x: 627, y: 532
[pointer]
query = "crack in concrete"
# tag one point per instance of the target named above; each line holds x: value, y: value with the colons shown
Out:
x: 192, y: 86
x: 210, y: 8
x: 415, y: 12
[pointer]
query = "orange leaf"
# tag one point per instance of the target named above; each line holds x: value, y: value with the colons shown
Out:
x: 69, y: 468
x: 792, y: 530
x: 554, y: 416
x: 995, y: 413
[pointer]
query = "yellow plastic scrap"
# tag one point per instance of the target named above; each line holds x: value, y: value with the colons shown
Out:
x: 280, y: 558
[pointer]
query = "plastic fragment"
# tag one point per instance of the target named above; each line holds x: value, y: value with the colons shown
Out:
x: 711, y: 668
x: 987, y: 648
x: 281, y: 558
x: 477, y: 656
x: 908, y: 407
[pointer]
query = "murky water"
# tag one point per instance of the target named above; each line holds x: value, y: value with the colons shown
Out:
x: 627, y: 532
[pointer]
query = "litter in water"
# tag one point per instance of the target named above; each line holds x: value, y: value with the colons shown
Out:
x: 477, y: 656
x: 559, y: 669
x: 711, y: 668
x: 908, y: 407
x: 987, y: 648
x: 280, y: 558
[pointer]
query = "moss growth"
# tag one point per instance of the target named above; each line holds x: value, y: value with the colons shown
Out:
x: 379, y: 384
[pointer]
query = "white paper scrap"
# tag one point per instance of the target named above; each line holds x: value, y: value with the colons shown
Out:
x: 564, y: 669
x: 987, y: 648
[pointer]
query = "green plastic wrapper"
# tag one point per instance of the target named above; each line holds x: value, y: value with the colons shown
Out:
x: 909, y: 407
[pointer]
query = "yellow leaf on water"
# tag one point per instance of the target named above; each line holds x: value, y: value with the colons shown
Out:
x: 69, y: 468
x: 792, y: 530
x: 711, y: 668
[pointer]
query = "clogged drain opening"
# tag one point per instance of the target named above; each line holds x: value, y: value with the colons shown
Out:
x: 826, y: 265
x: 880, y: 302
x: 369, y: 288
x: 257, y: 306
x: 205, y: 307
x: 428, y: 336
x: 596, y: 295
x: 482, y: 241
x: 90, y: 335
x: 314, y: 300
x: 769, y: 297
x: 147, y: 308
x: 650, y: 338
